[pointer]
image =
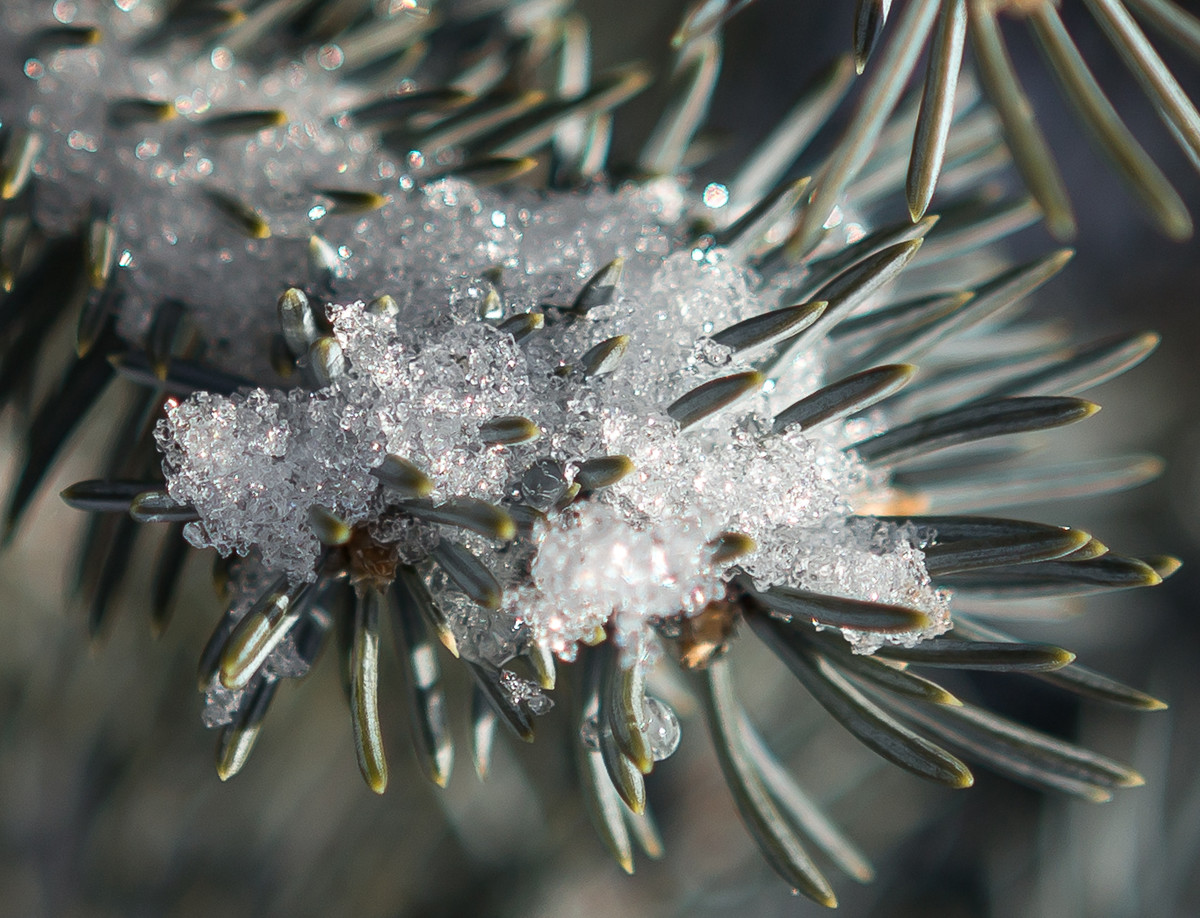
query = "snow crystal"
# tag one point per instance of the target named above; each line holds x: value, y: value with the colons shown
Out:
x: 524, y: 692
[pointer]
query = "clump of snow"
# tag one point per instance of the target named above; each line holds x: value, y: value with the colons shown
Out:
x: 254, y: 464
x: 458, y: 260
x: 593, y: 570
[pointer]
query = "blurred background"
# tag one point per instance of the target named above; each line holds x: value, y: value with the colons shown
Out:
x: 109, y: 804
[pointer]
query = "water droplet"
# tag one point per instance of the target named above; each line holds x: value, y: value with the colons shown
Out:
x: 64, y: 11
x: 330, y: 57
x: 589, y: 733
x: 221, y: 58
x: 716, y: 195
x: 708, y: 351
x: 661, y: 728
